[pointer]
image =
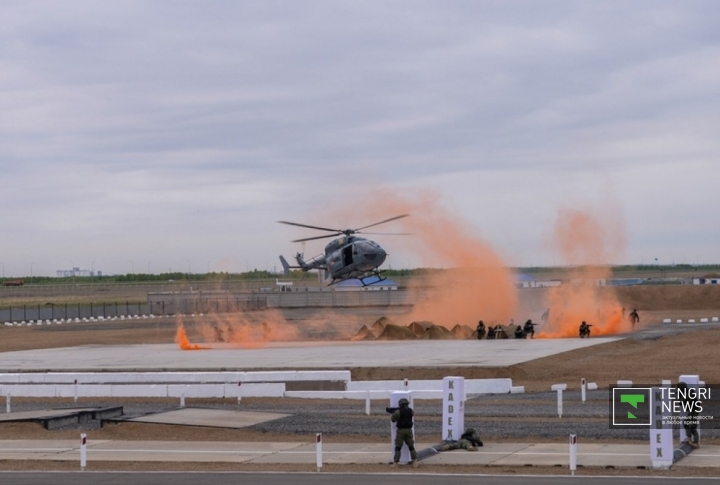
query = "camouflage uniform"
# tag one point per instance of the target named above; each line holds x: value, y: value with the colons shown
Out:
x: 403, y: 417
x: 470, y: 441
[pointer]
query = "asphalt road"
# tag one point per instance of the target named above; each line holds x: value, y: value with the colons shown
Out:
x: 233, y: 478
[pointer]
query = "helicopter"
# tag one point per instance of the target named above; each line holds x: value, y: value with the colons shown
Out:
x: 347, y: 257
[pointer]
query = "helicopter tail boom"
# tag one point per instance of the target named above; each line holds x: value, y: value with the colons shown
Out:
x: 301, y: 264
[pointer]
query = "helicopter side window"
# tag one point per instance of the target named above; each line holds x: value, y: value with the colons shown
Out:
x: 347, y: 255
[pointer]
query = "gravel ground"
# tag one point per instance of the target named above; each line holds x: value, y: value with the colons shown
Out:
x: 520, y: 417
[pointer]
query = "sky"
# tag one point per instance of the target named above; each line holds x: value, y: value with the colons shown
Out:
x: 171, y: 136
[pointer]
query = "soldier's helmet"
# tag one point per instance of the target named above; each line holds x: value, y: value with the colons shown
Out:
x: 403, y: 402
x: 470, y: 430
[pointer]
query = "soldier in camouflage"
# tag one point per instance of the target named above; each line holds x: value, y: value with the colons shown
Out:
x: 470, y: 440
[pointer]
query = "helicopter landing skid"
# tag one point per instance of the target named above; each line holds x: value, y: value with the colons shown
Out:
x: 361, y: 279
x: 377, y: 274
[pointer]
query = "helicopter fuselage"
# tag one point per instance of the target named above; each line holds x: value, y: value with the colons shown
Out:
x: 353, y: 257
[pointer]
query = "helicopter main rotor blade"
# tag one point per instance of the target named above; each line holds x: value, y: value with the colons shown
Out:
x: 310, y: 227
x: 318, y: 237
x: 383, y: 222
x: 389, y: 233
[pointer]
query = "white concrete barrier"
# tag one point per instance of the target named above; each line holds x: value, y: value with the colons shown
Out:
x: 624, y: 383
x: 171, y: 377
x: 517, y: 390
x: 275, y: 389
x: 91, y: 390
x: 359, y: 395
x: 714, y: 319
x: 138, y: 390
x: 592, y: 386
x: 472, y: 386
x: 692, y: 320
x: 196, y: 390
x: 678, y: 321
x: 704, y: 320
x: 667, y: 320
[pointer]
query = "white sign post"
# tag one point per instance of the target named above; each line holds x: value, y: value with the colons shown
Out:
x: 583, y: 389
x: 394, y: 400
x: 661, y: 436
x: 453, y: 408
x: 573, y: 453
x: 692, y: 381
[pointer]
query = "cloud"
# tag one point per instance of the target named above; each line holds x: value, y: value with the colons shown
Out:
x: 116, y: 116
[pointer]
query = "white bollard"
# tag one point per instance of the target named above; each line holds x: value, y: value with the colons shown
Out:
x: 83, y: 451
x: 573, y: 453
x: 367, y: 403
x: 559, y: 403
x: 7, y: 402
x: 239, y: 392
x: 583, y: 390
x: 182, y: 399
x: 405, y: 385
x: 76, y: 391
x: 318, y: 451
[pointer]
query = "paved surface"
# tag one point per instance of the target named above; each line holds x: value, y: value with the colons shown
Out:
x: 294, y: 355
x: 499, y: 454
x: 323, y: 478
x: 40, y: 414
x: 216, y: 418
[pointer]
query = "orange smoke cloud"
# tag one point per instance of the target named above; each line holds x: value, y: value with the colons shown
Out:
x: 184, y: 343
x: 586, y: 242
x: 478, y: 284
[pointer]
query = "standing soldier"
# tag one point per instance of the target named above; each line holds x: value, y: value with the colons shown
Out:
x: 634, y: 318
x: 403, y: 417
x: 480, y: 330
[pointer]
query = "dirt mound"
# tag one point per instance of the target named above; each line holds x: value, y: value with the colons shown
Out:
x: 396, y: 332
x: 380, y: 324
x: 419, y: 328
x: 363, y: 334
x: 463, y: 332
x: 436, y: 332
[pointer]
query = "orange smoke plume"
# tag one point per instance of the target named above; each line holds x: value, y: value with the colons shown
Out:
x: 586, y: 242
x: 478, y: 284
x: 184, y: 343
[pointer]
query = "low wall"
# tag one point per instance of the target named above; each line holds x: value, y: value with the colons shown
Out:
x: 144, y: 390
x: 171, y: 377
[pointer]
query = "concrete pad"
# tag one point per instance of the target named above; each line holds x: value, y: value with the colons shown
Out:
x: 705, y: 457
x: 486, y: 455
x: 295, y: 355
x: 185, y: 452
x: 360, y: 453
x: 39, y: 414
x: 216, y: 418
x: 296, y: 454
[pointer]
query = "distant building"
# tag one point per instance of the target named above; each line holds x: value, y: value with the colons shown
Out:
x: 71, y: 273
